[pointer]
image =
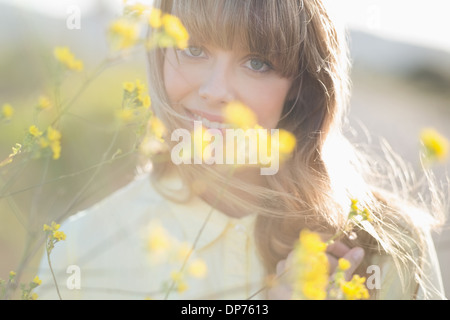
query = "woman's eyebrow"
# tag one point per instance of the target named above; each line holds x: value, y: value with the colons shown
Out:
x: 194, y: 39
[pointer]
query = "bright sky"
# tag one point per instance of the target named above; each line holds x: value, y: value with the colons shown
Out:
x: 416, y: 21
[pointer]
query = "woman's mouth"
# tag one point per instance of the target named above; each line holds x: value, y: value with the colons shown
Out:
x: 208, y: 120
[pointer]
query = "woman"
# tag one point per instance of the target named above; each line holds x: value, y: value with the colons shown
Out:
x: 286, y: 61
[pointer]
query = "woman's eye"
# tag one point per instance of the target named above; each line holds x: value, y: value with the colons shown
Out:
x: 258, y: 65
x: 194, y: 51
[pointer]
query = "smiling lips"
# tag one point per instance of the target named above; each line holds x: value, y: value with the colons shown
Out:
x: 209, y: 120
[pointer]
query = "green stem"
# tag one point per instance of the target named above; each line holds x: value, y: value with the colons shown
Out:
x: 337, y: 235
x: 70, y: 175
x: 51, y: 270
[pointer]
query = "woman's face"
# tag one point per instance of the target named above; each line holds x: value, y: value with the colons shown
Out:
x: 201, y: 80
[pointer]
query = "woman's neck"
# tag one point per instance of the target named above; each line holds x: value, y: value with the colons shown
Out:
x: 249, y: 176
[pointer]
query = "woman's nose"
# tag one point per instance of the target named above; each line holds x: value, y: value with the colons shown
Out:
x: 217, y: 87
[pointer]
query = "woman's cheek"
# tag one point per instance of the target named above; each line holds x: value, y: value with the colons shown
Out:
x: 171, y: 82
x: 180, y: 82
x: 268, y: 106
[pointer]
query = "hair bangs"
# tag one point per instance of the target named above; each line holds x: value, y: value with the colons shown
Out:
x: 251, y: 25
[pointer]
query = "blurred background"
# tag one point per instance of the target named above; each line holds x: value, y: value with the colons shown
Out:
x: 401, y: 84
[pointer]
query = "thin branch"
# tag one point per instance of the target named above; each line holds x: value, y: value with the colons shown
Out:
x: 70, y: 175
x: 51, y: 271
x: 194, y: 245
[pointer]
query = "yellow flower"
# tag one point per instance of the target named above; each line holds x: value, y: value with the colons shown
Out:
x: 12, y: 275
x: 124, y: 33
x: 54, y: 226
x: 344, y: 264
x: 158, y: 239
x: 240, y: 115
x: 171, y: 32
x: 155, y: 18
x: 53, y: 235
x: 52, y: 140
x: 182, y: 287
x: 7, y: 111
x: 182, y: 251
x: 197, y: 268
x: 34, y: 296
x: 313, y: 292
x: 200, y: 141
x: 34, y: 131
x: 59, y: 235
x: 146, y: 102
x: 37, y: 281
x: 311, y: 242
x: 354, y: 205
x: 128, y: 86
x: 136, y: 100
x: 139, y: 94
x: 67, y: 58
x: 175, y: 29
x: 355, y: 288
x: 176, y: 276
x: 311, y: 267
x: 287, y: 142
x: 140, y: 87
x: 367, y: 215
x: 44, y: 103
x: 178, y: 279
x: 358, y: 213
x: 56, y: 149
x: 125, y: 115
x: 157, y: 128
x: 436, y: 146
x: 53, y: 134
